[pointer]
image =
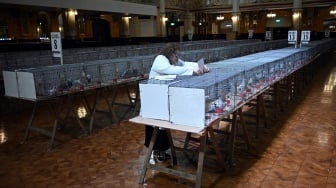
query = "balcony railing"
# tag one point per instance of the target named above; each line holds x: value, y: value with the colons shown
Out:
x: 146, y: 2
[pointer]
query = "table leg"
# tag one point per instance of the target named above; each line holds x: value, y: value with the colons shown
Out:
x: 215, y: 145
x: 257, y: 116
x: 53, y: 134
x: 114, y: 117
x: 86, y: 103
x: 30, y: 123
x: 136, y: 99
x: 57, y: 118
x: 275, y: 99
x: 93, y: 112
x: 200, y: 161
x: 45, y: 132
x: 263, y: 110
x: 279, y: 96
x: 187, y: 139
x: 68, y: 103
x: 243, y: 124
x: 148, y: 154
x: 233, y: 137
x: 172, y: 147
x: 130, y: 98
x: 111, y: 104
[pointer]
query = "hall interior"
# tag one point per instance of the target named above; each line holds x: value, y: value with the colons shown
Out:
x: 296, y: 149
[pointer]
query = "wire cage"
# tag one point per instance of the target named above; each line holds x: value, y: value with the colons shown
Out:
x: 274, y: 71
x: 90, y: 73
x: 48, y: 80
x: 209, y: 92
x: 289, y: 64
x: 298, y: 60
x: 136, y: 67
x: 73, y: 76
x: 147, y: 62
x: 107, y: 72
x: 123, y: 68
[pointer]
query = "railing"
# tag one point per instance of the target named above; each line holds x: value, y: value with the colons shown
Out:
x: 147, y: 2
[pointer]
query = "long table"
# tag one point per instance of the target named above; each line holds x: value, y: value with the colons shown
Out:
x: 209, y: 129
x: 296, y: 63
x: 67, y: 104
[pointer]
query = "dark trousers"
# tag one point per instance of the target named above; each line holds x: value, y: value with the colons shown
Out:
x: 162, y: 141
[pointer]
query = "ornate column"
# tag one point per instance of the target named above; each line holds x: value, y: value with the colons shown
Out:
x: 70, y: 28
x: 235, y: 17
x: 162, y: 19
x: 188, y: 20
x: 297, y: 18
x: 125, y: 26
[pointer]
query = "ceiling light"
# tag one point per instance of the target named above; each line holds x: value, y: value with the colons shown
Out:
x: 220, y: 17
x: 271, y: 15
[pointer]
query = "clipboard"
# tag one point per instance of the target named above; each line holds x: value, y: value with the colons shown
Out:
x: 200, y: 63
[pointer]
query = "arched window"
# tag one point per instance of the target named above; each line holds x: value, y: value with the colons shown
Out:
x: 4, y: 35
x: 43, y: 25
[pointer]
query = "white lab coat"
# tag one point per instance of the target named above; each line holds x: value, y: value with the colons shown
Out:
x: 162, y: 66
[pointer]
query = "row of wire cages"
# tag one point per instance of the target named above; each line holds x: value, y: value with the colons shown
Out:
x: 45, y: 79
x: 24, y: 62
x: 266, y: 68
x: 196, y: 45
x: 211, y: 55
x: 261, y: 46
x: 109, y: 53
x: 218, y: 54
x: 253, y: 75
x: 61, y: 79
x: 279, y: 68
x: 243, y: 83
x: 275, y: 44
x: 78, y: 57
x: 233, y: 81
x: 220, y: 89
x: 308, y: 56
x: 235, y: 87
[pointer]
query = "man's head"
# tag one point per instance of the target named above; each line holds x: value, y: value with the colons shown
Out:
x: 171, y: 51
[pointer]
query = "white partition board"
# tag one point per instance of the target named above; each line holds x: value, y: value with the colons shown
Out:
x: 26, y: 85
x: 154, y: 101
x: 187, y: 106
x: 10, y: 83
